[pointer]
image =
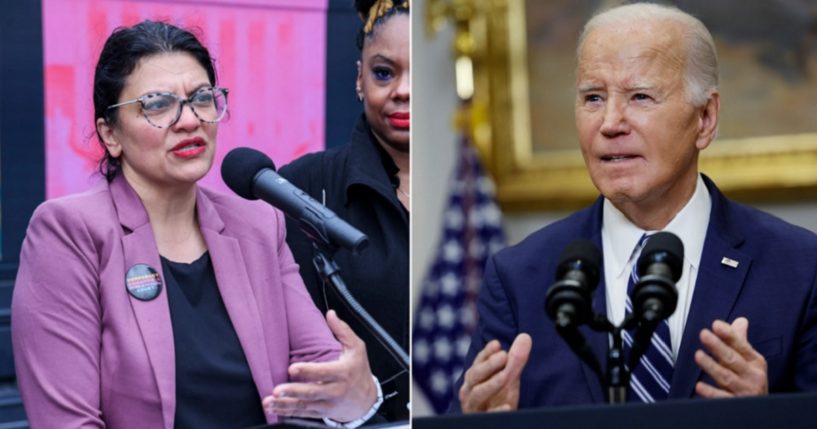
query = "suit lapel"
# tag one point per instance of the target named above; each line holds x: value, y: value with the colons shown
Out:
x: 237, y: 293
x: 716, y: 290
x: 598, y: 341
x: 153, y: 316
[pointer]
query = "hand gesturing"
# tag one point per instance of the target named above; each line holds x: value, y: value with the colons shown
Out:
x: 492, y: 381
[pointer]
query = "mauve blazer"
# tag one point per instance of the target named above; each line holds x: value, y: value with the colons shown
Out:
x: 88, y: 354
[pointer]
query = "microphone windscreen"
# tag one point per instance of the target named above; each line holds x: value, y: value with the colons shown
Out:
x: 585, y: 253
x: 240, y: 167
x: 663, y: 247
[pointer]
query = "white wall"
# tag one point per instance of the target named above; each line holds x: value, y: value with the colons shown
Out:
x: 434, y: 142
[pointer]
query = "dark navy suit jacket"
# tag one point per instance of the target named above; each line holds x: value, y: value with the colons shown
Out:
x: 774, y: 286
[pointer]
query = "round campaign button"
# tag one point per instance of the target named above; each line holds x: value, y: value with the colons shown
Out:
x: 143, y: 282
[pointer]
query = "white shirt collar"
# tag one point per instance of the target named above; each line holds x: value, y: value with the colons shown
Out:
x: 689, y: 224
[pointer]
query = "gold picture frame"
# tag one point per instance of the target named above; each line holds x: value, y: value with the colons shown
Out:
x: 781, y: 166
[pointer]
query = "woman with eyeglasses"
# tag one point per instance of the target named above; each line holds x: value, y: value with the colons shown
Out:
x: 366, y: 182
x: 151, y: 302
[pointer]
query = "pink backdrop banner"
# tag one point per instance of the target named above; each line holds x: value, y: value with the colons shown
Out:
x: 269, y: 53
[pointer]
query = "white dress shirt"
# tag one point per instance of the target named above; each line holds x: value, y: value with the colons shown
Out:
x: 619, y: 237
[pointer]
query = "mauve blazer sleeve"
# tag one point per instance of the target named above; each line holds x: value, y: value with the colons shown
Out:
x: 310, y: 337
x: 56, y: 321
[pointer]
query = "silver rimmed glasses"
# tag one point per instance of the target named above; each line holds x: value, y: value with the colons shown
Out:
x: 163, y: 109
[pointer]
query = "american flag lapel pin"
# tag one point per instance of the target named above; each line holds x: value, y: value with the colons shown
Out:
x: 729, y: 262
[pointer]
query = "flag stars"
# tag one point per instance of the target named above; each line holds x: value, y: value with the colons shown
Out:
x: 453, y: 219
x: 491, y: 215
x: 442, y: 349
x: 446, y: 317
x: 439, y: 382
x: 450, y: 284
x: 426, y: 319
x: 452, y: 252
x: 421, y: 351
x: 485, y: 186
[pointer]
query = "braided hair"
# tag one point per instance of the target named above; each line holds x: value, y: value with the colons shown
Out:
x: 374, y: 13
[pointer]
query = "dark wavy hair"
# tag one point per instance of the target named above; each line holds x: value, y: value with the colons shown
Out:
x: 123, y: 50
x: 362, y: 7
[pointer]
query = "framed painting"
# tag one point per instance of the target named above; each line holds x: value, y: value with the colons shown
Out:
x: 522, y: 111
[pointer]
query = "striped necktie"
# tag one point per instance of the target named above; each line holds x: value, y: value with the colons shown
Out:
x: 651, y: 378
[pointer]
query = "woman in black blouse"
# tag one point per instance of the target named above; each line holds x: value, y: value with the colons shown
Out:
x: 366, y: 182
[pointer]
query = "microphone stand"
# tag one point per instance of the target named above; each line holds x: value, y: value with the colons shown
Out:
x: 654, y: 298
x: 573, y: 337
x: 330, y: 273
x: 616, y: 380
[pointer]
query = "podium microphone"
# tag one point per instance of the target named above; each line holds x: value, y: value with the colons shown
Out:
x: 569, y: 300
x: 251, y: 174
x: 655, y: 297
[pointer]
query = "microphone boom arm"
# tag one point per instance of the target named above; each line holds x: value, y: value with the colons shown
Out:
x: 330, y: 273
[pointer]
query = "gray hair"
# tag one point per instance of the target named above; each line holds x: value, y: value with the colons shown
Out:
x: 701, y: 57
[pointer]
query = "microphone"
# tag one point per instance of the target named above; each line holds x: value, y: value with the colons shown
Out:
x: 251, y: 174
x: 568, y: 301
x: 655, y: 297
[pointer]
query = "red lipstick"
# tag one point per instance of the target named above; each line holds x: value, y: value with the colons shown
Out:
x: 400, y: 120
x: 189, y: 148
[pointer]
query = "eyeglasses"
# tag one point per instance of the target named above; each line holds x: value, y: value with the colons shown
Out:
x: 163, y: 109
